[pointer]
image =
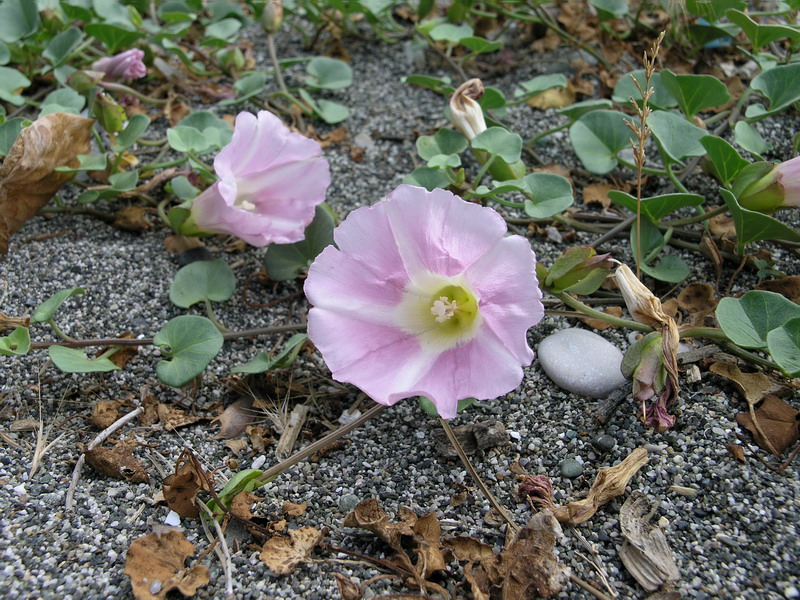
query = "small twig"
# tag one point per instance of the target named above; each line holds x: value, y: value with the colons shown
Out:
x: 474, y: 474
x: 611, y: 233
x: 221, y: 549
x: 101, y: 437
x: 589, y: 588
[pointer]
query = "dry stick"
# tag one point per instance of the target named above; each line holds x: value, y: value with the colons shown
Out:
x: 474, y: 474
x: 589, y: 588
x: 101, y: 437
x: 221, y: 549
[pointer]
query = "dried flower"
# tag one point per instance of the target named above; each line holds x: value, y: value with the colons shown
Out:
x: 270, y: 181
x: 126, y: 65
x: 765, y: 187
x: 465, y: 111
x: 642, y: 304
x: 425, y: 296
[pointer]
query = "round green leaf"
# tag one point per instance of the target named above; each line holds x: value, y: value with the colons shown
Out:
x: 550, y: 194
x: 676, y: 136
x: 499, y: 142
x: 18, y: 19
x: 190, y: 342
x: 136, y: 126
x: 286, y: 261
x: 9, y: 131
x: 45, y: 311
x: 11, y: 83
x: 202, y: 280
x: 446, y: 141
x: 626, y: 89
x: 73, y: 360
x: 695, y: 93
x: 598, y: 137
x: 332, y: 112
x: 62, y: 45
x: 17, y: 343
x: 747, y: 320
x: 671, y: 268
x: 747, y: 137
x: 780, y: 85
x: 577, y: 110
x: 64, y: 100
x: 784, y: 346
x: 328, y: 73
x: 428, y: 178
x: 447, y: 32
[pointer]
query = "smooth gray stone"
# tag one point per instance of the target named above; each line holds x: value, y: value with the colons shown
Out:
x: 571, y: 468
x: 581, y: 362
x: 604, y: 443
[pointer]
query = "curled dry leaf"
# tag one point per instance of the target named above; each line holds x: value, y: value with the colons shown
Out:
x: 775, y: 425
x: 132, y: 218
x: 472, y: 437
x: 118, y: 461
x: 242, y: 503
x: 28, y: 179
x: 469, y: 549
x: 429, y: 546
x: 753, y: 386
x: 235, y: 419
x: 369, y: 515
x: 645, y: 553
x: 294, y: 510
x: 7, y: 322
x: 348, y: 589
x: 155, y: 564
x: 597, y: 193
x: 789, y: 287
x: 283, y: 554
x: 553, y: 98
x: 600, y: 324
x: 172, y: 418
x: 180, y: 489
x: 699, y: 300
x: 737, y: 452
x: 609, y: 483
x: 104, y: 413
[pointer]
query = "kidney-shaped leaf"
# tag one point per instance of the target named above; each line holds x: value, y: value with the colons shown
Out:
x: 17, y: 343
x: 73, y: 360
x: 695, y: 92
x: 784, y: 345
x: 329, y: 73
x: 286, y: 261
x: 657, y: 207
x: 598, y: 137
x: 676, y: 136
x: 780, y: 85
x: 626, y: 89
x: 500, y: 142
x: 190, y: 343
x: 446, y: 141
x: 202, y: 280
x: 549, y: 194
x: 748, y: 320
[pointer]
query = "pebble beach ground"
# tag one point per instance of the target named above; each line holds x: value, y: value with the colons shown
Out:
x: 734, y: 534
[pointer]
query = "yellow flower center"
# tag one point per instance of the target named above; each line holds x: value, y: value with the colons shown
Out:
x: 454, y: 309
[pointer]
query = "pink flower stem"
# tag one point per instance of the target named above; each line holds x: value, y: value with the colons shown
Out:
x: 477, y: 478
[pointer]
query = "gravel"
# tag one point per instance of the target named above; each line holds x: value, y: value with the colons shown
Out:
x: 736, y: 538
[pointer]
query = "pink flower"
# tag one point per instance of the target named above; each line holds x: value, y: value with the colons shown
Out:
x: 765, y: 187
x: 790, y: 180
x: 126, y: 65
x: 425, y: 296
x: 270, y: 181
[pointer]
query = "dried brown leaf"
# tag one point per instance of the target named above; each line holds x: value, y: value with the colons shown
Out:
x: 132, y: 218
x: 178, y: 244
x: 369, y: 515
x: 777, y: 427
x: 609, y: 483
x: 348, y: 589
x: 645, y: 553
x: 180, y: 489
x: 597, y: 193
x: 553, y: 98
x: 7, y: 322
x: 294, y: 510
x: 28, y: 179
x: 150, y: 406
x: 600, y: 324
x: 429, y: 545
x: 753, y: 386
x: 472, y: 437
x: 118, y: 461
x: 699, y: 300
x: 283, y: 554
x: 466, y: 548
x: 104, y: 413
x: 788, y: 287
x: 241, y: 504
x: 172, y: 418
x: 235, y: 419
x: 737, y: 452
x: 155, y: 564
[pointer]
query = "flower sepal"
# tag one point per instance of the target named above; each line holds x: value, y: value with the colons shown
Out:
x: 430, y: 408
x: 579, y: 270
x: 180, y: 219
x: 757, y: 187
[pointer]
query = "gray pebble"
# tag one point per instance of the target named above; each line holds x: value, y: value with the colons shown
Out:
x: 348, y: 502
x: 571, y: 468
x: 604, y: 443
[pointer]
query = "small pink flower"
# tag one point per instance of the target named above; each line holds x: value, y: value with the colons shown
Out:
x: 270, y: 181
x: 425, y: 296
x: 790, y: 180
x: 126, y: 65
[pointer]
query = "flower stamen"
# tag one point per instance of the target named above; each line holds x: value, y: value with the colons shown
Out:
x: 443, y: 309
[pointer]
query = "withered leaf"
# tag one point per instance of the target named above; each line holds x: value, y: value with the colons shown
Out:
x: 472, y: 437
x: 597, y: 193
x: 28, y: 179
x: 699, y: 300
x: 132, y: 218
x: 7, y: 322
x: 178, y: 244
x: 753, y: 386
x: 294, y: 510
x: 155, y: 564
x: 529, y: 565
x: 348, y: 589
x: 737, y: 452
x: 150, y: 406
x: 235, y: 419
x: 172, y: 417
x: 118, y: 461
x: 778, y: 422
x: 124, y: 354
x: 283, y: 554
x: 609, y: 483
x: 553, y: 98
x: 645, y: 553
x: 429, y: 551
x: 369, y: 515
x: 789, y: 287
x: 466, y: 548
x: 180, y: 489
x: 600, y: 324
x: 241, y: 504
x: 104, y: 413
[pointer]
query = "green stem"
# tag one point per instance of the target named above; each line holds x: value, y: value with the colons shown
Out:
x: 162, y: 213
x: 544, y: 134
x: 713, y: 333
x: 164, y: 165
x: 648, y: 170
x: 110, y: 352
x: 60, y: 333
x: 699, y: 218
x: 213, y: 317
x: 508, y: 203
x: 146, y: 142
x: 124, y: 89
x: 675, y: 181
x: 587, y: 310
x: 483, y: 169
x: 199, y: 161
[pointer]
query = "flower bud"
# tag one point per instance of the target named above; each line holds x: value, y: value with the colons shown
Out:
x: 84, y: 82
x: 109, y: 113
x: 579, y: 270
x: 126, y: 65
x: 765, y: 187
x: 272, y: 17
x: 231, y: 58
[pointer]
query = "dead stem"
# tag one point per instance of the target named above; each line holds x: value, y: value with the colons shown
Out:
x: 221, y: 549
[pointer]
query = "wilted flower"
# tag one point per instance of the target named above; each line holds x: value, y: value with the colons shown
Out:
x: 642, y: 304
x: 126, y: 65
x: 765, y: 187
x: 270, y: 181
x: 465, y: 111
x: 425, y: 296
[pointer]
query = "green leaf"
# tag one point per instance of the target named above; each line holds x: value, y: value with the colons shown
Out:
x: 613, y: 9
x: 656, y: 208
x: 18, y: 19
x: 725, y: 160
x: 478, y: 45
x: 86, y: 162
x: 752, y: 226
x: 761, y: 35
x: 577, y: 110
x: 190, y: 343
x: 447, y: 32
x: 705, y: 34
x: 247, y: 87
x: 626, y: 89
x: 244, y: 481
x: 695, y: 93
x: 780, y: 85
x: 492, y: 99
x: 188, y: 139
x: 11, y: 83
x: 45, y: 311
x: 286, y: 261
x: 328, y: 73
x: 499, y: 141
x: 713, y: 10
x: 285, y: 358
x: 676, y: 136
x: 115, y: 38
x: 201, y: 131
x: 542, y: 83
x: 5, y: 54
x: 784, y: 346
x: 202, y: 280
x: 445, y: 141
x: 430, y: 408
x: 222, y: 31
x: 183, y: 189
x: 73, y: 360
x: 671, y: 268
x: 597, y: 137
x: 124, y: 181
x: 442, y: 161
x: 748, y: 319
x: 332, y: 112
x: 62, y: 45
x: 428, y: 178
x: 136, y: 126
x: 440, y: 85
x: 64, y: 100
x: 747, y: 136
x: 9, y: 131
x: 548, y: 194
x: 17, y: 343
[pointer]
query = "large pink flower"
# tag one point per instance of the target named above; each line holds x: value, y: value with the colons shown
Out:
x: 790, y: 180
x: 425, y: 296
x: 270, y: 181
x: 126, y: 65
